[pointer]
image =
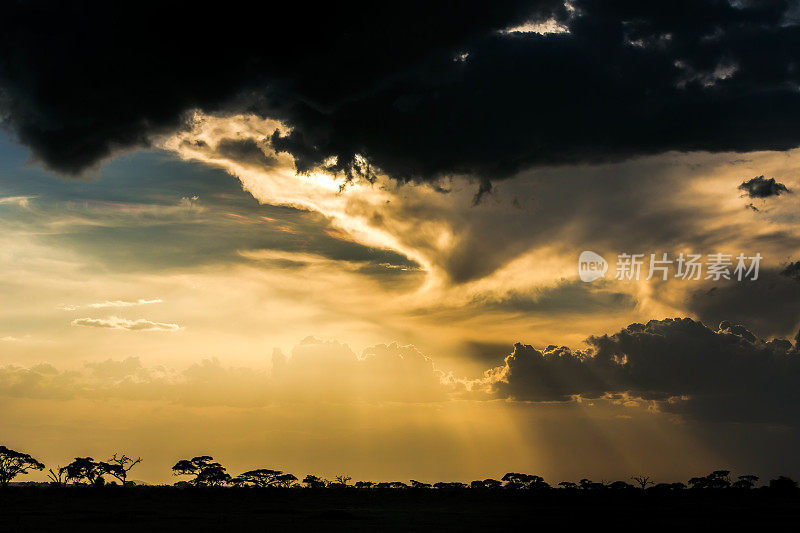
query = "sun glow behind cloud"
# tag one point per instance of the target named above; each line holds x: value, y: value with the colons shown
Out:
x: 503, y: 248
x: 282, y: 185
x: 481, y: 278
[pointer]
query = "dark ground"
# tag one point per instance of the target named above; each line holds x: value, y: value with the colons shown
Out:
x: 151, y: 509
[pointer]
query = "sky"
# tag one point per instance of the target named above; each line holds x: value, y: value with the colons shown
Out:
x: 357, y: 252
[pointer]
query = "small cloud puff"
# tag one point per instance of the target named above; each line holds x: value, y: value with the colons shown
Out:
x: 760, y: 187
x: 115, y: 322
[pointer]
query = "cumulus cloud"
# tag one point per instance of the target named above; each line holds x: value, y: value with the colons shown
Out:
x: 760, y: 187
x: 417, y: 89
x: 329, y: 369
x: 315, y: 371
x: 679, y: 365
x: 115, y: 322
x: 769, y: 306
x: 676, y: 366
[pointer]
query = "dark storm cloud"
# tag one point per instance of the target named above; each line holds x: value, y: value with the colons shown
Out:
x: 83, y: 79
x: 421, y: 89
x: 684, y: 366
x: 769, y: 305
x: 792, y: 271
x: 760, y: 187
x: 572, y: 296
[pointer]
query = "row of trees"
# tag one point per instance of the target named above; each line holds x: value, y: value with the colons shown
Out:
x: 207, y: 472
x: 81, y: 470
x: 204, y: 471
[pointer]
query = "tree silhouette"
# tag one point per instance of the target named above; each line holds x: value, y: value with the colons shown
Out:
x: 262, y: 477
x: 392, y: 485
x: 588, y: 484
x: 486, y: 484
x: 285, y: 480
x: 621, y: 485
x: 342, y: 480
x: 13, y: 463
x: 313, y: 482
x: 745, y: 482
x: 490, y: 483
x: 664, y: 487
x: 515, y: 480
x: 783, y: 483
x: 84, y: 468
x: 698, y: 482
x: 449, y: 485
x: 205, y: 470
x: 718, y: 479
x: 119, y: 467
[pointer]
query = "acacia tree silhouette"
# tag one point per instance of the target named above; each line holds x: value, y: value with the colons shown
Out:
x: 208, y: 472
x: 342, y: 480
x: 84, y: 468
x: 119, y: 467
x: 13, y: 463
x: 444, y: 485
x: 515, y: 480
x: 718, y: 479
x: 642, y: 481
x: 745, y: 482
x: 286, y: 480
x: 262, y: 477
x: 205, y: 470
x: 314, y: 482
